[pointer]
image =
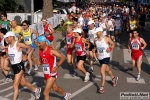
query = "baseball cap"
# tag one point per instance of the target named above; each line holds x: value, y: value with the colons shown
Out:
x: 78, y: 30
x: 10, y: 33
x: 43, y: 39
x: 99, y: 29
x: 91, y: 22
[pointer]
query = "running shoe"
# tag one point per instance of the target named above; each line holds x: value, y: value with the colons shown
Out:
x: 96, y: 61
x: 74, y: 74
x: 138, y: 77
x: 37, y: 93
x: 102, y: 89
x: 7, y: 79
x: 67, y: 96
x: 90, y: 70
x: 87, y: 77
x: 36, y: 67
x: 29, y: 72
x: 114, y: 81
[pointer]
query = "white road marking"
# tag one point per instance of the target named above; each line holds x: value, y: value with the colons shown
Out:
x: 6, y: 89
x: 2, y: 98
x: 4, y: 83
x: 98, y: 78
x: 10, y: 94
x: 127, y: 56
x: 39, y: 74
x: 147, y: 53
x: 82, y: 89
x: 133, y: 80
x: 68, y: 76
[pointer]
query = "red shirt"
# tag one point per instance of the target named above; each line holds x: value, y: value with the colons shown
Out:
x: 48, y: 62
x: 135, y: 45
x: 47, y: 32
x: 80, y: 47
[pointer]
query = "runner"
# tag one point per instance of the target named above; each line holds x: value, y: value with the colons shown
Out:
x: 142, y: 19
x: 15, y: 57
x: 136, y: 46
x: 92, y: 35
x: 125, y: 19
x: 3, y: 63
x: 118, y: 27
x: 27, y: 36
x: 70, y: 51
x: 112, y: 23
x: 16, y: 29
x: 48, y: 60
x: 48, y: 32
x: 102, y: 45
x: 131, y: 25
x: 79, y: 44
x: 4, y: 23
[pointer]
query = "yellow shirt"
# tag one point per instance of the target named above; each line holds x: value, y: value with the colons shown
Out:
x: 132, y: 24
x: 17, y: 31
x: 27, y: 37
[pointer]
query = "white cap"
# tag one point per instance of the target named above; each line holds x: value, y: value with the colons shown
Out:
x: 78, y: 30
x: 91, y: 22
x: 10, y: 33
x: 118, y: 16
x: 99, y: 29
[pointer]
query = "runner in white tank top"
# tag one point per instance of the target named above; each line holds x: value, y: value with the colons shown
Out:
x: 15, y: 57
x: 102, y: 45
x: 112, y: 24
x: 104, y: 25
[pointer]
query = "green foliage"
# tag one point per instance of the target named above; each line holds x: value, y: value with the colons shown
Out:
x: 8, y: 5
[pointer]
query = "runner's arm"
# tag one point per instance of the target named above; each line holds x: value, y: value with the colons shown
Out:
x: 50, y: 27
x: 144, y: 43
x: 129, y: 47
x: 35, y: 32
x: 110, y: 42
x: 59, y: 55
x: 22, y: 45
x: 107, y: 26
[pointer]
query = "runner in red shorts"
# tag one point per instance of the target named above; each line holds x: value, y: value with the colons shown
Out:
x: 136, y: 46
x: 48, y: 60
x: 69, y: 40
x: 48, y: 32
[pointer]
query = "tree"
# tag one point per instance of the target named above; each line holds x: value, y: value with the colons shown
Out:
x: 47, y: 8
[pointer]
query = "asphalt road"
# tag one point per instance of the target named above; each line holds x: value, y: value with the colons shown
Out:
x: 80, y: 90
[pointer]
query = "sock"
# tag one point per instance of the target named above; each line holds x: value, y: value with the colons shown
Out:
x: 35, y: 90
x: 8, y: 76
x: 91, y: 67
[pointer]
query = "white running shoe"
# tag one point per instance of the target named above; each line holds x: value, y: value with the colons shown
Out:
x: 138, y: 77
x: 29, y: 72
x: 37, y: 93
x: 36, y: 67
x: 87, y: 77
x: 67, y: 96
x: 7, y: 80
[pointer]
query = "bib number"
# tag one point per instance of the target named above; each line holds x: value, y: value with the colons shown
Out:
x: 11, y: 57
x: 78, y: 47
x: 135, y: 46
x: 68, y: 40
x: 132, y: 25
x: 46, y: 69
x: 101, y: 51
x: 4, y: 26
x: 27, y: 40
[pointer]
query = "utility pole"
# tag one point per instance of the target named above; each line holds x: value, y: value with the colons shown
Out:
x: 32, y: 11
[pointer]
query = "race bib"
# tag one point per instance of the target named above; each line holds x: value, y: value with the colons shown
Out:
x: 27, y: 40
x: 132, y: 26
x: 46, y: 69
x: 91, y: 36
x: 100, y: 51
x: 135, y: 46
x: 78, y: 47
x: 68, y: 40
x: 110, y: 26
x: 4, y: 26
x: 11, y: 57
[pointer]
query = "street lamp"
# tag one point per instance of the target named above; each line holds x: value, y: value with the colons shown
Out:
x: 32, y: 11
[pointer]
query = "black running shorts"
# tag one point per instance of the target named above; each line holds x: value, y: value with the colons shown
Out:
x: 18, y: 67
